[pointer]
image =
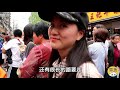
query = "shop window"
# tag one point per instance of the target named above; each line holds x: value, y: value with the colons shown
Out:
x: 117, y: 31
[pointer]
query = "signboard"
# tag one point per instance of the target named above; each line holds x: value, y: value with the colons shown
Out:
x: 100, y: 16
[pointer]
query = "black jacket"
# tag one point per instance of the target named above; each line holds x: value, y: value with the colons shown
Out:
x: 111, y: 53
x: 9, y: 54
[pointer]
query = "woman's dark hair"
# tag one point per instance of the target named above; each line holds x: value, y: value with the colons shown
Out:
x: 78, y: 55
x: 101, y: 34
x: 28, y: 33
x: 99, y: 26
x: 41, y: 28
x: 17, y: 33
x: 54, y: 56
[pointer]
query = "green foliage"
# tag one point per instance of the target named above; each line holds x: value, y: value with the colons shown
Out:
x: 34, y: 18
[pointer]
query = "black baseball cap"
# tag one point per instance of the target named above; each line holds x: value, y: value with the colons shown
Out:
x: 78, y: 17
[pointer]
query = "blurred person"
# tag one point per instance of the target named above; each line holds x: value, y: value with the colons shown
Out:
x: 1, y: 60
x: 6, y: 39
x: 3, y: 73
x: 102, y: 26
x: 1, y: 44
x: 98, y: 26
x: 13, y: 44
x: 4, y: 56
x: 28, y: 40
x: 98, y: 50
x: 39, y: 55
x: 113, y: 51
x: 95, y: 28
x: 2, y: 38
x: 67, y: 38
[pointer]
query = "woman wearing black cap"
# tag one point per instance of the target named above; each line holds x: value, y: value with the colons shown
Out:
x: 67, y: 36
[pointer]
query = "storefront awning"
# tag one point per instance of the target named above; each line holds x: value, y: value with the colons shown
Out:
x: 102, y: 16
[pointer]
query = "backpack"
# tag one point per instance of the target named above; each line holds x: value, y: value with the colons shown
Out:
x: 9, y: 55
x: 21, y: 48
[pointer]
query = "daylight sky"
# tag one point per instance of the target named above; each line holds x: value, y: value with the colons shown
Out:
x: 20, y: 18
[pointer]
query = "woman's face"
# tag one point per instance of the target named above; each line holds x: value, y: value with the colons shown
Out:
x: 62, y: 34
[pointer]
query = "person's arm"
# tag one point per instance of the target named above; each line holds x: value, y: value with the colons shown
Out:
x: 3, y: 51
x: 6, y: 47
x: 30, y: 67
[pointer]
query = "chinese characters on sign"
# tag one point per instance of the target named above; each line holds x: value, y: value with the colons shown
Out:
x: 91, y: 16
x: 106, y: 13
x: 96, y: 16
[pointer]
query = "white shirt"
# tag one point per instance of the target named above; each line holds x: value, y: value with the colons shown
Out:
x: 98, y: 51
x: 107, y: 44
x: 13, y: 45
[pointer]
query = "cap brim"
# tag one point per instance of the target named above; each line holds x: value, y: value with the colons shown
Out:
x: 47, y: 16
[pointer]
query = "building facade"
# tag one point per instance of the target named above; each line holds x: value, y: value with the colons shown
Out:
x: 5, y: 22
x: 110, y: 19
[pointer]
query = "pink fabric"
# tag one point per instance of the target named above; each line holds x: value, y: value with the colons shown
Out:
x: 116, y: 56
x: 118, y: 46
x: 38, y: 57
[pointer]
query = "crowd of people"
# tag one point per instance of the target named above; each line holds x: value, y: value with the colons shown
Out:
x: 62, y: 44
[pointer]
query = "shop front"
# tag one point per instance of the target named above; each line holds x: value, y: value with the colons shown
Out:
x: 110, y: 19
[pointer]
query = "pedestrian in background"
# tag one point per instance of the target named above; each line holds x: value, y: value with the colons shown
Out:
x: 4, y: 56
x: 98, y: 50
x: 28, y: 40
x: 13, y: 44
x: 113, y: 52
x: 39, y: 55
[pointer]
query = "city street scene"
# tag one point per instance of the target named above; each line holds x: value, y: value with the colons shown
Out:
x: 59, y: 44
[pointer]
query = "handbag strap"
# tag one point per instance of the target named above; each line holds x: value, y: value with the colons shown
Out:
x: 19, y: 41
